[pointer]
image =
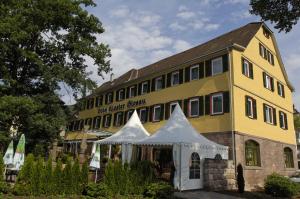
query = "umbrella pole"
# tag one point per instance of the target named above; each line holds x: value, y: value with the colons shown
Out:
x: 96, y: 175
x: 109, y: 152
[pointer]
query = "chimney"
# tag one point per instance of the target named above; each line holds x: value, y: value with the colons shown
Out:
x: 112, y: 76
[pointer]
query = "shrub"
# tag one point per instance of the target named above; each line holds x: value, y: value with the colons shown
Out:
x: 97, y: 190
x: 76, y: 178
x: 4, y: 188
x: 67, y: 178
x: 36, y: 179
x: 47, y: 178
x: 84, y: 175
x: 158, y: 190
x: 280, y: 186
x: 57, y: 179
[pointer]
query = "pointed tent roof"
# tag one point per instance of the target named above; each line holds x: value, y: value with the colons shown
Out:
x: 178, y: 130
x: 132, y: 132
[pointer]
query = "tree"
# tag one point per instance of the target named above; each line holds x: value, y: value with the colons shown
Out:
x: 76, y: 177
x: 44, y: 49
x: 57, y: 179
x: 284, y: 13
x: 297, y: 121
x: 1, y: 167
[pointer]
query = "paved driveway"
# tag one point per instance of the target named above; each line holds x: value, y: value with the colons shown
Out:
x: 202, y: 194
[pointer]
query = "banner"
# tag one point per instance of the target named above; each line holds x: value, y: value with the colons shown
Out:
x: 95, y: 162
x: 20, y: 153
x: 8, y: 158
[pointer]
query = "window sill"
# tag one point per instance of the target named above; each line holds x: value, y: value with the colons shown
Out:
x: 154, y: 121
x: 193, y: 116
x: 216, y: 114
x: 252, y: 118
x: 253, y: 168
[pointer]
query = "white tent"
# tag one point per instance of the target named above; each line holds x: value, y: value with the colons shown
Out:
x: 190, y: 148
x: 129, y: 134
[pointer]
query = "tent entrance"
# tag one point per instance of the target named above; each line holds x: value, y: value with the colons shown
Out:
x: 163, y: 160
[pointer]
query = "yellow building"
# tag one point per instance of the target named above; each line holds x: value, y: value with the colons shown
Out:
x: 234, y: 89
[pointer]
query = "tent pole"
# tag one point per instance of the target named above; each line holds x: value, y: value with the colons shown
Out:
x: 180, y: 169
x: 96, y: 175
x: 109, y: 152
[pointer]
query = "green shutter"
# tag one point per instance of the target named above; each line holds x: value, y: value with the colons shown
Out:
x: 169, y: 79
x: 226, y: 102
x: 208, y: 68
x: 251, y: 70
x: 187, y: 74
x: 225, y: 62
x: 201, y: 70
x: 274, y: 117
x: 207, y: 105
x: 167, y: 111
x: 201, y: 105
x: 180, y: 76
x: 254, y: 109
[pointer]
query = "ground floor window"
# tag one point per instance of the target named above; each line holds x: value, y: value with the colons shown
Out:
x: 252, y: 153
x: 156, y: 113
x: 288, y: 157
x: 195, y: 166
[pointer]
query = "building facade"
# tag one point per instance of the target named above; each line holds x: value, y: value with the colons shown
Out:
x: 233, y: 89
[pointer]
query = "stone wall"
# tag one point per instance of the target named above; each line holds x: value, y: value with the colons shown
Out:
x: 219, y: 175
x: 271, y: 155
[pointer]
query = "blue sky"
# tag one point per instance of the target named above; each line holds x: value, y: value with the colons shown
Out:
x: 142, y: 32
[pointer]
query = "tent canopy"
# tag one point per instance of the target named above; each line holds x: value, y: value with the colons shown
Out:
x: 178, y: 130
x: 131, y: 132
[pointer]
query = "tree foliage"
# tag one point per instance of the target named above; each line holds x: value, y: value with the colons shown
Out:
x: 297, y: 121
x: 284, y: 13
x: 44, y: 49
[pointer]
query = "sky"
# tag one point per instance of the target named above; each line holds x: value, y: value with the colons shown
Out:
x: 142, y: 32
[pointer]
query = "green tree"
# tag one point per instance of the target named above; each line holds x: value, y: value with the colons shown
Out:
x: 48, y: 178
x: 284, y: 13
x: 297, y: 121
x: 67, y: 178
x: 84, y: 176
x: 44, y: 49
x: 36, y: 178
x: 57, y: 179
x: 1, y: 167
x: 76, y: 177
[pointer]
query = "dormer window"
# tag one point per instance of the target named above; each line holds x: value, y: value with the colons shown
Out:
x: 132, y: 91
x: 121, y: 95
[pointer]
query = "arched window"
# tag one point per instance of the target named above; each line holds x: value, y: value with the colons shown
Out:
x: 195, y: 166
x: 252, y: 153
x: 288, y: 157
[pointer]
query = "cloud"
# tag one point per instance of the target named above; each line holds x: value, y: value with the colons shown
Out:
x: 122, y: 11
x: 186, y: 15
x: 160, y: 54
x: 292, y: 63
x: 181, y: 45
x: 176, y: 26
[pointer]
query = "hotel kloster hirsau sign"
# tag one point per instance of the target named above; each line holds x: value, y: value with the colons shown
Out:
x: 121, y: 107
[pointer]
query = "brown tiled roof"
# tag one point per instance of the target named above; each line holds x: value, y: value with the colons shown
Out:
x: 240, y: 36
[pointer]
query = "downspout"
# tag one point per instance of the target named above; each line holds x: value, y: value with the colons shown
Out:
x: 231, y: 106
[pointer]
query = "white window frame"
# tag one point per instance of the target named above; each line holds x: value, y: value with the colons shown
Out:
x: 121, y: 96
x: 142, y: 89
x: 247, y: 69
x: 127, y: 115
x: 172, y: 77
x: 172, y: 104
x: 191, y: 69
x: 280, y: 89
x: 105, y: 122
x: 154, y: 111
x: 269, y: 114
x: 156, y: 80
x: 212, y: 103
x: 130, y: 93
x: 268, y: 81
x: 212, y: 65
x: 140, y: 115
x: 190, y: 107
x: 118, y: 119
x: 109, y: 98
x: 281, y: 114
x: 251, y: 107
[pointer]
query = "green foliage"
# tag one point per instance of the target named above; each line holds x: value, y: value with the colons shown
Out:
x: 297, y: 121
x: 1, y: 167
x: 285, y: 14
x: 57, y: 179
x: 67, y: 178
x: 36, y: 178
x: 76, y: 184
x: 280, y: 186
x: 4, y: 188
x: 97, y: 190
x: 158, y: 190
x: 44, y: 47
x: 84, y: 176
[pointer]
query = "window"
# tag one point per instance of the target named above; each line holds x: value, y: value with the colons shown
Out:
x: 175, y: 78
x: 143, y: 115
x: 288, y: 157
x: 121, y: 95
x: 217, y: 103
x: 98, y: 101
x: 172, y: 107
x: 194, y: 107
x: 158, y: 83
x: 280, y: 89
x: 217, y: 66
x: 119, y: 118
x: 247, y: 68
x: 156, y: 113
x: 252, y: 153
x: 282, y: 120
x: 268, y: 82
x: 96, y: 122
x: 194, y: 72
x: 144, y: 88
x: 129, y: 114
x: 251, y: 107
x: 266, y: 54
x: 195, y: 166
x: 268, y: 114
x: 107, y: 119
x: 132, y: 91
x: 109, y: 98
